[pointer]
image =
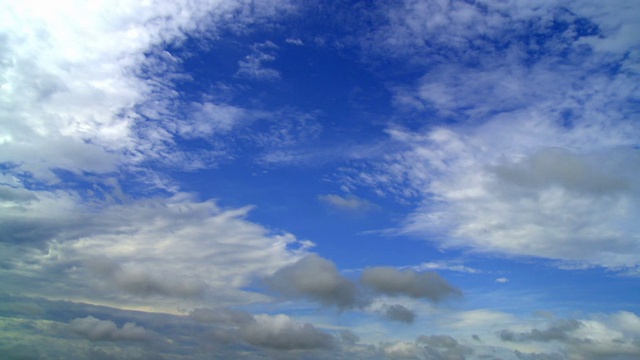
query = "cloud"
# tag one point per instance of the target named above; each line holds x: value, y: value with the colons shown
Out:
x: 252, y: 67
x: 559, y: 331
x: 143, y: 253
x: 527, y: 147
x: 317, y: 279
x: 349, y: 203
x: 502, y: 280
x: 106, y: 330
x: 296, y: 42
x: 550, y: 203
x: 444, y: 265
x: 279, y: 332
x: 601, y: 337
x: 80, y: 81
x: 399, y: 313
x: 390, y: 281
x: 282, y: 333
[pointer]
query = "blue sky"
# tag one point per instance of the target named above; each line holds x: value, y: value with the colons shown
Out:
x: 278, y: 179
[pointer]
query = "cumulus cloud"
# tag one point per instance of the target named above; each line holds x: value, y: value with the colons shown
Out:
x: 599, y: 337
x: 399, y: 313
x: 317, y: 279
x: 390, y: 281
x: 106, y: 330
x: 279, y: 332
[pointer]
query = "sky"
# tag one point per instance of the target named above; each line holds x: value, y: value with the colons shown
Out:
x: 293, y: 179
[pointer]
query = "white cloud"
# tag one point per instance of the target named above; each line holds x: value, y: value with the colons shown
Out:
x: 349, y: 203
x: 445, y: 265
x: 146, y: 253
x: 498, y: 188
x: 529, y: 148
x: 253, y: 66
x: 77, y: 78
x: 502, y: 280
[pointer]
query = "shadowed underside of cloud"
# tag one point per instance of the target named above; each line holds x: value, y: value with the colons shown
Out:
x: 317, y: 279
x: 96, y: 329
x: 64, y: 328
x: 399, y: 313
x: 278, y: 332
x: 390, y: 281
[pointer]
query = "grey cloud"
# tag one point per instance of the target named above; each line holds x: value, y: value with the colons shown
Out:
x: 399, y: 313
x: 316, y: 279
x: 390, y: 281
x: 106, y: 330
x: 220, y: 316
x: 142, y: 282
x: 349, y: 337
x: 559, y: 331
x: 278, y: 332
x: 438, y: 341
x: 282, y: 333
x: 560, y: 167
x: 443, y: 347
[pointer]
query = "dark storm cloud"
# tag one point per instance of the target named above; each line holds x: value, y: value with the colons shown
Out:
x: 316, y: 279
x: 390, y: 281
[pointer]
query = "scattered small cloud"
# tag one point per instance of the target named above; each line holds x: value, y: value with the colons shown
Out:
x: 349, y: 203
x: 295, y: 41
x: 445, y: 265
x: 502, y: 280
x: 253, y: 65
